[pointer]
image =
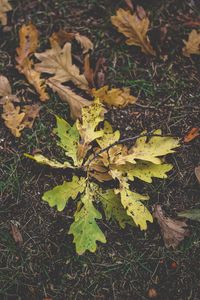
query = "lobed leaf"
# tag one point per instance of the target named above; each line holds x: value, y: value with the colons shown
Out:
x: 41, y: 159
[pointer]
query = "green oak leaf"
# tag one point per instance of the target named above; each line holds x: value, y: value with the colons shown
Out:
x: 68, y: 138
x: 84, y: 228
x: 60, y: 194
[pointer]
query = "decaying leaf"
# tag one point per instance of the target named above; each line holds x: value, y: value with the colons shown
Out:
x: 192, y: 134
x: 84, y: 228
x: 60, y: 195
x: 41, y: 159
x: 192, y: 214
x: 31, y: 112
x: 28, y: 43
x: 197, y: 173
x: 4, y: 8
x: 62, y: 36
x: 16, y: 234
x: 5, y: 88
x: 75, y: 101
x: 115, y: 97
x: 88, y: 71
x: 134, y: 28
x: 58, y: 61
x: 192, y: 46
x: 173, y: 231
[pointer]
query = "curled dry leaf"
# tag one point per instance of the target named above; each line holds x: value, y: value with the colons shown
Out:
x: 58, y: 61
x: 28, y: 37
x: 134, y: 28
x: 116, y: 97
x: 4, y: 8
x: 75, y: 101
x: 62, y: 36
x: 16, y: 234
x: 173, y: 231
x: 192, y: 46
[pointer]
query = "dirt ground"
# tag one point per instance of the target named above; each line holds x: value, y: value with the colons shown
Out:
x: 168, y: 88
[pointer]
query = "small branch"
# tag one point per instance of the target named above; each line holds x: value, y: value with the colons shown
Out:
x: 133, y: 138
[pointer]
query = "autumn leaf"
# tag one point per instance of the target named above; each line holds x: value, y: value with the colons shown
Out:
x: 109, y: 137
x: 28, y: 43
x: 192, y: 134
x: 4, y: 8
x: 58, y: 61
x: 134, y: 29
x: 41, y: 159
x: 60, y: 195
x: 114, y: 97
x: 76, y: 102
x: 173, y: 231
x: 17, y: 236
x: 91, y: 117
x: 88, y: 71
x: 6, y: 91
x: 192, y: 46
x: 62, y: 36
x: 85, y: 230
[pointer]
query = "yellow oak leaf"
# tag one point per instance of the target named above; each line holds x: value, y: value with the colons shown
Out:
x: 134, y: 28
x: 4, y: 8
x: 41, y: 159
x: 192, y: 46
x: 109, y: 137
x: 76, y: 102
x: 58, y: 61
x: 114, y: 97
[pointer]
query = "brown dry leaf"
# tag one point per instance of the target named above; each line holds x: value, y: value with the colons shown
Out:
x: 28, y: 42
x: 28, y: 36
x: 192, y: 46
x: 62, y: 36
x: 116, y: 97
x: 16, y: 234
x: 192, y: 134
x: 173, y: 231
x: 197, y: 173
x: 6, y: 91
x: 75, y: 101
x: 4, y: 8
x: 129, y: 4
x: 134, y: 29
x: 88, y: 71
x: 16, y: 120
x: 58, y: 61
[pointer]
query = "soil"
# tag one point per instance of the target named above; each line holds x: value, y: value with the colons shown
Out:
x: 168, y: 89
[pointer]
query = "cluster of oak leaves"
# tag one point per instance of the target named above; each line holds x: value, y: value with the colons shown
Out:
x: 90, y: 144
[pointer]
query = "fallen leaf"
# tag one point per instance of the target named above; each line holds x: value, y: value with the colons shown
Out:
x: 16, y: 234
x: 192, y: 46
x: 58, y: 61
x: 197, y: 173
x: 134, y: 29
x: 129, y: 4
x: 116, y: 97
x: 192, y: 134
x: 173, y: 231
x: 4, y: 8
x: 31, y: 112
x: 62, y: 36
x: 5, y: 88
x: 75, y: 101
x: 88, y: 71
x: 28, y: 43
x: 141, y: 13
x: 193, y: 214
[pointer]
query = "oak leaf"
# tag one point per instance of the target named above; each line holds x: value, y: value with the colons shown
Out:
x: 41, y: 159
x: 4, y: 8
x: 60, y: 195
x: 6, y: 91
x: 58, y: 61
x: 76, y: 102
x: 192, y: 46
x: 85, y: 230
x: 114, y: 97
x: 173, y: 231
x: 109, y: 137
x: 134, y: 28
x: 28, y: 43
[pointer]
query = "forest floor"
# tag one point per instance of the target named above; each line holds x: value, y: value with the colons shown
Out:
x: 168, y: 88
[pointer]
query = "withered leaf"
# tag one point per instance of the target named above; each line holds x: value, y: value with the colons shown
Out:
x: 58, y: 61
x: 192, y: 134
x: 5, y: 88
x: 173, y: 231
x: 192, y: 46
x: 75, y: 101
x: 88, y: 71
x: 4, y: 8
x: 134, y: 28
x: 31, y: 112
x: 116, y: 97
x: 16, y: 234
